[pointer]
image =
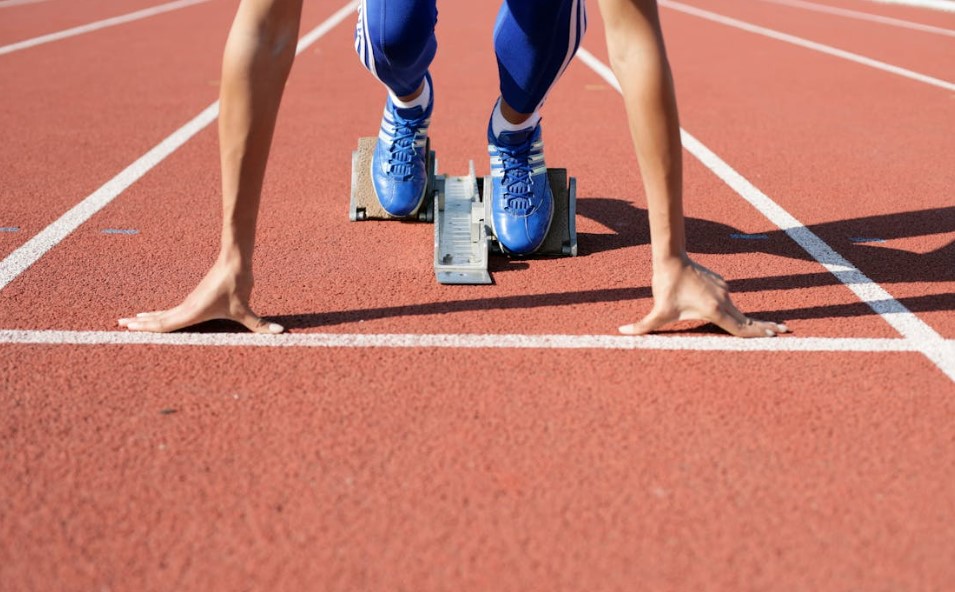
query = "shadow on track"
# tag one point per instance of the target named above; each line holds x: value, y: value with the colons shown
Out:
x: 877, y: 259
x: 883, y: 264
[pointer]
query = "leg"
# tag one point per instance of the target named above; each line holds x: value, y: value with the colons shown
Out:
x: 395, y: 41
x: 534, y: 41
x: 258, y: 56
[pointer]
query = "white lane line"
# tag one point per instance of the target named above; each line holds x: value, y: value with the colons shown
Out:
x: 462, y: 341
x: 9, y: 3
x: 110, y: 22
x: 943, y: 5
x: 864, y: 16
x: 826, y: 49
x: 925, y: 339
x: 28, y: 254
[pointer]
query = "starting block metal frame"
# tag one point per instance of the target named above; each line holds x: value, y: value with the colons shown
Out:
x: 460, y: 208
x: 461, y: 231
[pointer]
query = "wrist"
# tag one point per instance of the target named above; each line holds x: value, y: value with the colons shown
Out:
x: 669, y: 260
x: 235, y: 259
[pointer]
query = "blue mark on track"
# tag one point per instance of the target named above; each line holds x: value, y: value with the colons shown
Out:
x: 120, y: 231
x: 741, y: 236
x: 9, y: 229
x: 863, y: 239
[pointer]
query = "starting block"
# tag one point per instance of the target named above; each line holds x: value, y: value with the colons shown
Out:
x: 461, y: 231
x: 460, y: 208
x: 364, y: 203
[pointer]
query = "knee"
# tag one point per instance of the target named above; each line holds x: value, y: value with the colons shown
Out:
x: 403, y: 45
x: 399, y: 33
x: 281, y: 41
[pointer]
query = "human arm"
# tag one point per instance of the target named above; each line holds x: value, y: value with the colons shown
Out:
x: 257, y: 59
x: 682, y: 289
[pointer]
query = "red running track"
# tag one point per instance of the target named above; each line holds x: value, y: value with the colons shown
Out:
x: 224, y: 467
x: 22, y: 21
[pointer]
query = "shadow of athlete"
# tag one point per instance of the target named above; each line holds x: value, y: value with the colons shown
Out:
x: 258, y: 56
x: 869, y: 242
x: 884, y: 265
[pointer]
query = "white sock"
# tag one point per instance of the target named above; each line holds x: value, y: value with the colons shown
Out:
x: 499, y: 124
x: 420, y: 101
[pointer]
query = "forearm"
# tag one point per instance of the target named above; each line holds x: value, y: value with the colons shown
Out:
x: 639, y: 61
x: 682, y: 289
x: 257, y: 59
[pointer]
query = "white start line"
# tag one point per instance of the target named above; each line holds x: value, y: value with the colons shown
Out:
x: 467, y: 341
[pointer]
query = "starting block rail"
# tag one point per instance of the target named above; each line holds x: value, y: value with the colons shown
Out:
x: 461, y: 242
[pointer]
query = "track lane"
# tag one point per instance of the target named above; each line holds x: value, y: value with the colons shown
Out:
x: 74, y: 127
x: 927, y: 9
x: 368, y: 468
x: 75, y: 120
x: 13, y: 3
x: 27, y: 21
x: 318, y: 272
x: 894, y: 10
x: 924, y: 53
x: 33, y: 250
x: 865, y: 16
x: 919, y: 334
x: 902, y: 11
x: 877, y: 174
x: 253, y: 472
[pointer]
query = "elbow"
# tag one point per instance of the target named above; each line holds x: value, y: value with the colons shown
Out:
x: 263, y: 37
x: 635, y: 58
x: 627, y: 50
x: 281, y: 43
x: 278, y: 43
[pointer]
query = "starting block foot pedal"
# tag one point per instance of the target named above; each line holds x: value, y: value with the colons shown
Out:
x: 364, y: 203
x: 561, y: 239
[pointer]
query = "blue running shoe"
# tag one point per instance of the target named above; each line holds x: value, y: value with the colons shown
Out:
x: 522, y: 205
x: 398, y: 170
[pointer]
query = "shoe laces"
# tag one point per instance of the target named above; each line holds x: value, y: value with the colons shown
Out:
x: 402, y: 153
x: 517, y: 181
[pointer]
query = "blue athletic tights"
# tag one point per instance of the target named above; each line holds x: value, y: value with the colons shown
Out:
x: 534, y: 40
